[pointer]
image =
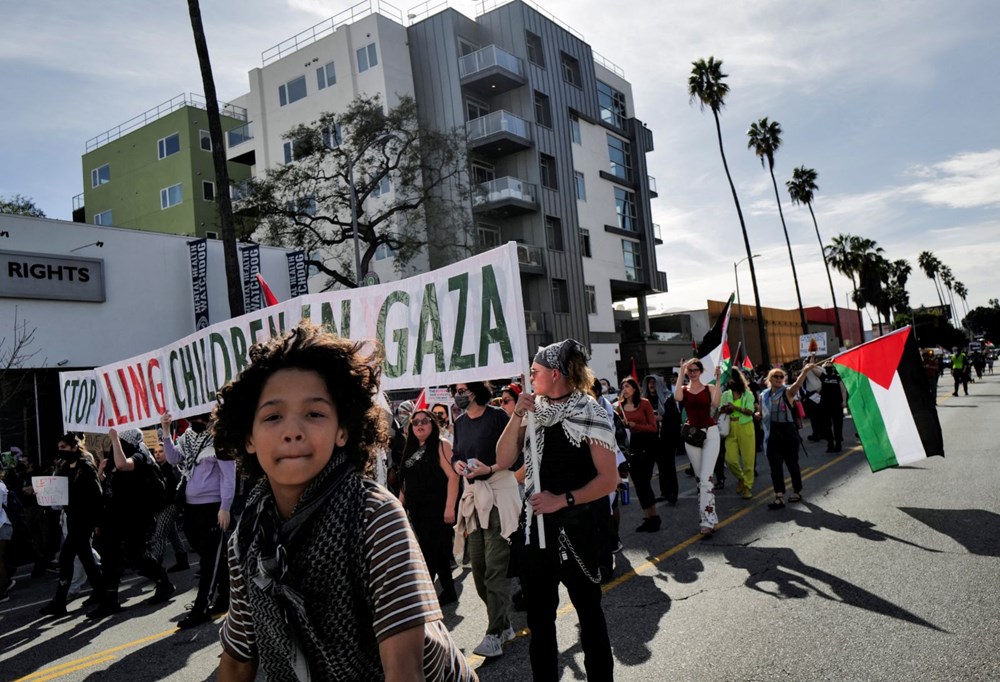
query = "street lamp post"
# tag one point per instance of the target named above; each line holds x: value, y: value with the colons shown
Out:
x: 354, y: 201
x: 743, y: 338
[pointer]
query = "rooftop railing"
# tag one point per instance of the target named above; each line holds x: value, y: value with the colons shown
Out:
x: 159, y: 111
x: 328, y: 26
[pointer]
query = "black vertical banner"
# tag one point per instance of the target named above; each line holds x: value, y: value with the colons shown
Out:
x: 297, y: 277
x: 251, y: 287
x: 199, y: 281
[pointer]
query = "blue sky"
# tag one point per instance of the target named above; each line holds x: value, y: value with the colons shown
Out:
x: 895, y: 104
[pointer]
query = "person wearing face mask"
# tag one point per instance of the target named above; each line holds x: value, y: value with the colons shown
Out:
x: 209, y: 486
x: 82, y: 514
x: 488, y: 510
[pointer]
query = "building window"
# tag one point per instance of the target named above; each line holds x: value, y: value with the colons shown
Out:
x: 581, y: 186
x: 553, y: 233
x: 547, y: 170
x: 326, y: 76
x: 171, y: 196
x: 165, y: 146
x: 633, y: 260
x: 571, y: 69
x: 331, y: 136
x: 612, y: 105
x: 560, y: 296
x: 620, y: 155
x: 384, y: 251
x: 574, y: 130
x: 543, y: 112
x: 307, y: 205
x: 100, y: 175
x: 208, y: 190
x: 384, y: 186
x: 367, y: 58
x: 475, y: 109
x: 482, y: 173
x: 625, y: 207
x: 489, y: 236
x: 205, y: 140
x: 585, y: 243
x: 239, y: 190
x: 288, y: 149
x: 534, y: 45
x: 590, y: 295
x: 212, y: 235
x: 103, y: 218
x: 292, y: 91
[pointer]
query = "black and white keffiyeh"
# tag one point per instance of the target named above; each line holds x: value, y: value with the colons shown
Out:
x: 192, y: 444
x: 556, y: 355
x: 582, y: 419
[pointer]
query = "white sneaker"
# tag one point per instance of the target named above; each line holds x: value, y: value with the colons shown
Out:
x: 508, y: 635
x: 490, y: 647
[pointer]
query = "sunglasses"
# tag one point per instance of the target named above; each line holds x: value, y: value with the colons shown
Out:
x: 420, y: 422
x: 777, y: 376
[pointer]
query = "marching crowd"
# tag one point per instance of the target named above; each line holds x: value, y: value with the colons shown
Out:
x: 274, y: 492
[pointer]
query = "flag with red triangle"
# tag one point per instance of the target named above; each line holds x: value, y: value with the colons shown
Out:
x: 712, y: 346
x: 421, y: 402
x: 891, y: 401
x: 269, y: 297
x: 726, y: 364
x: 635, y: 372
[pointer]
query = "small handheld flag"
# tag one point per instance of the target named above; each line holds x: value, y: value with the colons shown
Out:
x: 269, y: 297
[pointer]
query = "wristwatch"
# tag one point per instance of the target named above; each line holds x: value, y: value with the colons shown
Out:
x: 570, y: 500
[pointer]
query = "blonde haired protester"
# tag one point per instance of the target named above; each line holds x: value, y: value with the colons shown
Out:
x: 781, y: 437
x: 576, y: 460
x: 698, y: 400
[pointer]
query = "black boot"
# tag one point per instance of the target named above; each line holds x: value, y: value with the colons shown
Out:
x: 164, y: 589
x: 195, y: 617
x: 181, y: 565
x: 109, y: 605
x: 57, y: 607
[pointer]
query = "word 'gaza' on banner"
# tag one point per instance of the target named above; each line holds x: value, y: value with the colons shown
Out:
x: 464, y: 322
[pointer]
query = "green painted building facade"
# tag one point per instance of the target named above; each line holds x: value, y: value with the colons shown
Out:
x: 155, y: 171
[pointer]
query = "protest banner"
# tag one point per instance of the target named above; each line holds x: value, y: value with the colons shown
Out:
x: 463, y: 322
x: 82, y: 405
x: 812, y: 344
x: 51, y: 491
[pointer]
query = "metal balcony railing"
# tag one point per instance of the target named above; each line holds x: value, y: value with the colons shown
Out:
x: 528, y: 254
x: 78, y: 201
x: 497, y: 122
x: 651, y: 183
x: 238, y: 136
x: 488, y: 57
x: 503, y: 189
x: 657, y: 233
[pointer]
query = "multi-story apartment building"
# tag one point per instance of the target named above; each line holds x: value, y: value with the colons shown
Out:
x: 154, y: 172
x: 558, y: 159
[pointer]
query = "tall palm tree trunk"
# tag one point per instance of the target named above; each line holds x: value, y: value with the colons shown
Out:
x: 761, y: 329
x: 861, y: 319
x: 939, y: 289
x: 829, y: 279
x: 795, y: 277
x: 227, y: 227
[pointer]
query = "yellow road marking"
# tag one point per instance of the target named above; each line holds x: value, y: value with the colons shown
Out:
x: 88, y: 661
x: 66, y: 671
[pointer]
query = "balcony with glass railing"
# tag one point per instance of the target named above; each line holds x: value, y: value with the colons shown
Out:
x: 651, y: 183
x: 657, y: 233
x: 236, y: 142
x: 531, y: 258
x: 498, y: 133
x: 505, y: 196
x: 491, y: 71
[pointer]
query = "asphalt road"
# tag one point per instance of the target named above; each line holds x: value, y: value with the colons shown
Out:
x: 888, y: 576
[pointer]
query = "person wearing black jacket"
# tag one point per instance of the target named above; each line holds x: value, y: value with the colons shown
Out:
x: 82, y: 514
x: 127, y: 522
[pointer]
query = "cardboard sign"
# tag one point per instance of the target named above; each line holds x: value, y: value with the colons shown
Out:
x: 812, y: 344
x: 51, y: 491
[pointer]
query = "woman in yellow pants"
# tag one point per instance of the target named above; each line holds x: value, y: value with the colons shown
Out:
x: 738, y: 402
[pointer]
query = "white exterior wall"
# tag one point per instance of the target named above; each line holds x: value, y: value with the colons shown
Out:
x: 148, y: 297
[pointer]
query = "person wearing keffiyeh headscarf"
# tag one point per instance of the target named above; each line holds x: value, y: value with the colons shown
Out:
x: 576, y: 473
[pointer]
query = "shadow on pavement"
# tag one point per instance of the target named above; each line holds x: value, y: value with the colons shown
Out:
x: 975, y: 529
x: 818, y: 518
x: 781, y: 568
x: 165, y: 656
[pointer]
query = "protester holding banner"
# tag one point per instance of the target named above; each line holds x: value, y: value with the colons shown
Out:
x: 207, y: 488
x: 575, y: 446
x: 82, y: 515
x: 701, y: 435
x: 328, y: 582
x: 781, y: 437
x: 127, y: 521
x: 430, y: 495
x: 488, y: 510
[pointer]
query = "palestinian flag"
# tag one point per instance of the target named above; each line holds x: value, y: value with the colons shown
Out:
x: 727, y: 364
x: 711, y: 347
x: 269, y: 297
x: 891, y: 401
x: 421, y: 402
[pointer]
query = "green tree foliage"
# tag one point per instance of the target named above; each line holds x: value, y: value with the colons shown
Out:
x: 985, y: 321
x: 408, y: 180
x: 20, y: 205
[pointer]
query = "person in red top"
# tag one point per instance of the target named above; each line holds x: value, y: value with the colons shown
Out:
x: 638, y: 415
x: 698, y: 400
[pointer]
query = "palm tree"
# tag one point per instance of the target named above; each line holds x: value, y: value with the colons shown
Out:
x: 929, y: 263
x: 963, y: 293
x: 802, y: 188
x: 764, y: 138
x: 707, y: 85
x: 847, y: 254
x: 227, y: 227
x: 948, y: 280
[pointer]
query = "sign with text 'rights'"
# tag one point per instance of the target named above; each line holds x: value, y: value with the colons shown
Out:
x: 464, y: 322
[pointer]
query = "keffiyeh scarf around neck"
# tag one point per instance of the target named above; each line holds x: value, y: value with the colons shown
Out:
x: 191, y: 445
x: 582, y: 419
x: 306, y: 580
